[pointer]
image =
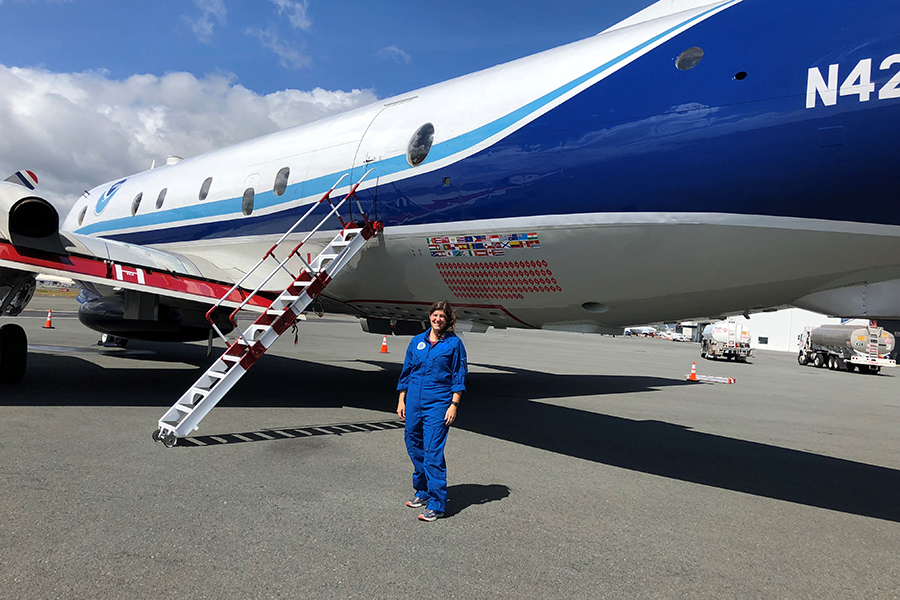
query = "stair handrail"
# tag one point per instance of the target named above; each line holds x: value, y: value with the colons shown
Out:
x: 294, y: 252
x: 308, y: 267
x: 263, y: 259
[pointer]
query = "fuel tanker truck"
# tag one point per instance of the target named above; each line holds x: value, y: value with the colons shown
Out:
x: 729, y: 339
x: 847, y: 348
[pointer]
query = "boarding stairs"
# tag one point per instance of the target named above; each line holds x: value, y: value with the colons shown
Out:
x: 185, y: 415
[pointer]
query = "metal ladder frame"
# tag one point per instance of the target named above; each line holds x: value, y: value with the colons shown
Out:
x: 184, y: 416
x: 874, y: 339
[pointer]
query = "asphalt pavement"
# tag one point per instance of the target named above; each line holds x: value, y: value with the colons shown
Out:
x: 580, y: 467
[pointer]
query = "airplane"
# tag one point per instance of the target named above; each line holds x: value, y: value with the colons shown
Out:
x: 646, y: 330
x: 699, y: 158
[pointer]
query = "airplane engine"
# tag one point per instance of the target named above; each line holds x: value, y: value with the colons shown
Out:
x: 137, y: 315
x: 27, y: 221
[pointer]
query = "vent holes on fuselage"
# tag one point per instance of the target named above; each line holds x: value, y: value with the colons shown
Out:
x: 281, y: 181
x: 740, y: 75
x: 247, y: 202
x: 204, y: 189
x: 689, y: 59
x: 420, y: 145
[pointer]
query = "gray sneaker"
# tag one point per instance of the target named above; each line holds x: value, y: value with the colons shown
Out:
x: 430, y: 515
x: 416, y: 502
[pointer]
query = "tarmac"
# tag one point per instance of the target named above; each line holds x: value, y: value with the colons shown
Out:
x: 580, y: 466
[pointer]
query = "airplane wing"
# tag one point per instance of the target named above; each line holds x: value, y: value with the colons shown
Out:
x: 128, y: 266
x: 30, y: 241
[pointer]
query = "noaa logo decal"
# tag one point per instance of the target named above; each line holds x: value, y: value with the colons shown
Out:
x: 421, y: 346
x: 107, y: 195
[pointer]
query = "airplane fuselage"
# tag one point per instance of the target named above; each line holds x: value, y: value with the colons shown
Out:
x: 733, y: 156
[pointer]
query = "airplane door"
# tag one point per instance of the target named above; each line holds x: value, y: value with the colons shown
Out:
x: 383, y: 147
x: 386, y: 136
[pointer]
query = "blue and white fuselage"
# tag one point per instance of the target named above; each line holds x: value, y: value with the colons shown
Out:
x: 697, y: 159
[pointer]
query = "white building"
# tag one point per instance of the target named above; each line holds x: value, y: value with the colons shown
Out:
x: 780, y: 330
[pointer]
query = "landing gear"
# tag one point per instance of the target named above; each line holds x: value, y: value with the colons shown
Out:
x: 112, y: 341
x: 13, y: 353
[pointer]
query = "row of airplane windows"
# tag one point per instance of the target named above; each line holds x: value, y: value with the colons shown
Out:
x: 280, y: 186
x: 418, y: 148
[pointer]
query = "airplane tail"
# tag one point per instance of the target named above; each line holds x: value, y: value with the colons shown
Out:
x: 664, y: 8
x: 24, y: 178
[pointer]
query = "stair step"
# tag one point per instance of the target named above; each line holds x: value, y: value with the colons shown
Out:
x: 184, y: 416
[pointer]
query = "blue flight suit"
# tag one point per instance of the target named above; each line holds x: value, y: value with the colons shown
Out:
x: 430, y: 376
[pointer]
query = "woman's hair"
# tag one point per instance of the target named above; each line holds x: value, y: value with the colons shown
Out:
x: 450, y: 321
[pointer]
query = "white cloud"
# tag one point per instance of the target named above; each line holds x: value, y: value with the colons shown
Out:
x: 77, y: 130
x: 296, y: 12
x: 288, y: 56
x: 395, y: 54
x: 211, y: 11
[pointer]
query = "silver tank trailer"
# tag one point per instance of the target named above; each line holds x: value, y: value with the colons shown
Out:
x: 852, y: 337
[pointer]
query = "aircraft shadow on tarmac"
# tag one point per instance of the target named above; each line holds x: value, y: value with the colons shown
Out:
x: 501, y: 405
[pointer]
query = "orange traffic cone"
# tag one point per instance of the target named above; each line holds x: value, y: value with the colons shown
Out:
x: 49, y: 324
x: 693, y: 375
x: 384, y: 346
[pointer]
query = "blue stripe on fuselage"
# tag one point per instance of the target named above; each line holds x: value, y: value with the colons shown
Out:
x: 232, y: 207
x: 651, y: 138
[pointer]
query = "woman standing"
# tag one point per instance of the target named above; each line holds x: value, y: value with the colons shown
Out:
x: 431, y: 385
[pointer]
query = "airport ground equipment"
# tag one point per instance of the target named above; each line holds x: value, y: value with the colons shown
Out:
x: 184, y: 416
x: 728, y: 339
x: 847, y: 348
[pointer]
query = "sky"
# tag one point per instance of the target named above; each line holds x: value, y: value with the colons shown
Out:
x: 92, y: 90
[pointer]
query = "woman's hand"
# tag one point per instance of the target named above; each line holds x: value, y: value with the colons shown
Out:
x: 401, y: 406
x: 450, y: 415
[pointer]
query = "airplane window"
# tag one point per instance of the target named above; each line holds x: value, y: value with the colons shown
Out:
x: 204, y: 189
x: 689, y: 59
x: 281, y: 181
x: 420, y: 144
x: 81, y: 215
x: 247, y: 203
x: 161, y: 198
x: 136, y: 203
